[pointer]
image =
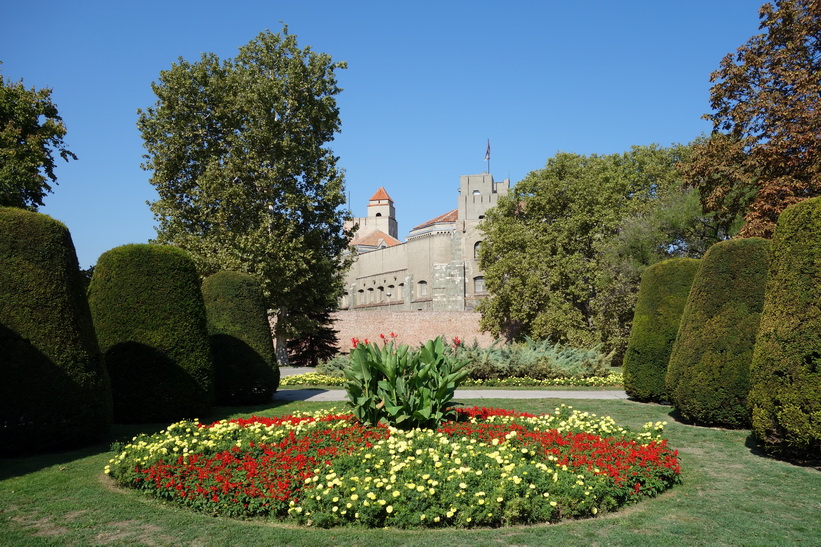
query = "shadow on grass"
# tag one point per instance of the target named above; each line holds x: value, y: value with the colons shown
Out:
x: 23, y: 465
x: 757, y: 450
x: 118, y: 433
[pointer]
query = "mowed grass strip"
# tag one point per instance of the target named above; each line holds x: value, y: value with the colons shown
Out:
x: 731, y: 495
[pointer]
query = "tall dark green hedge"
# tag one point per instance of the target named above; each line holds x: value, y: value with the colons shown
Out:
x: 708, y: 377
x: 241, y: 342
x: 662, y: 296
x: 54, y: 390
x: 785, y: 393
x: 150, y: 319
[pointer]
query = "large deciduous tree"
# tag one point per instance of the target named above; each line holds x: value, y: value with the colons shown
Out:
x: 764, y: 152
x: 245, y: 178
x: 564, y: 252
x: 31, y: 132
x: 554, y: 265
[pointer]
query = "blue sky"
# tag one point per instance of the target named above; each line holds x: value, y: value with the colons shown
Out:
x: 428, y: 83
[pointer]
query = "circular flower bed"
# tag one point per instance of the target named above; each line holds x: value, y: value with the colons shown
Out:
x: 489, y: 467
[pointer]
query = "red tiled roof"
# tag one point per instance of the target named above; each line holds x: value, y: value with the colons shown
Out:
x: 372, y: 239
x: 450, y: 216
x: 381, y: 194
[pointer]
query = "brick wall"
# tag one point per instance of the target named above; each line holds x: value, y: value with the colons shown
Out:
x: 413, y: 327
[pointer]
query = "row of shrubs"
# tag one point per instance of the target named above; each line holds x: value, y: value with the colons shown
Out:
x: 613, y: 379
x: 539, y: 360
x: 148, y: 343
x: 735, y: 339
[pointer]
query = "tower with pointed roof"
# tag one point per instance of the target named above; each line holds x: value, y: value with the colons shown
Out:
x: 381, y: 214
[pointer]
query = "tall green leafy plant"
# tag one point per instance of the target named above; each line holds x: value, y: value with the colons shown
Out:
x: 404, y: 388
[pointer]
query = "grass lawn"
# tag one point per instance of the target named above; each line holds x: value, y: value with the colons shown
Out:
x: 731, y: 495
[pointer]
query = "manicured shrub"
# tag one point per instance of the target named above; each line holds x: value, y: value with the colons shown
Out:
x: 54, y: 390
x: 150, y: 319
x: 662, y: 295
x: 785, y: 393
x: 708, y: 374
x: 244, y: 362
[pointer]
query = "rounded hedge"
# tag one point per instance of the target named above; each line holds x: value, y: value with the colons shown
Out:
x: 708, y: 374
x: 54, y: 390
x: 661, y: 299
x: 150, y: 319
x: 241, y: 343
x: 785, y: 393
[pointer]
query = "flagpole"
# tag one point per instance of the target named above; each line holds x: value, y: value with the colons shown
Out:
x: 487, y: 156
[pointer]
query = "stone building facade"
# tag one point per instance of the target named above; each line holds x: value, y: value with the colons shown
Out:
x: 436, y: 268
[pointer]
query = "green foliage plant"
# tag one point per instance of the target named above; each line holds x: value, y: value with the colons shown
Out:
x: 708, y: 374
x: 54, y: 389
x: 406, y: 389
x: 661, y: 300
x: 785, y: 373
x: 245, y: 369
x: 150, y: 319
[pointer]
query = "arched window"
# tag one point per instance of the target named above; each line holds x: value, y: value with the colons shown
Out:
x: 370, y: 295
x: 476, y: 249
x: 392, y: 294
x: 360, y: 297
x: 478, y: 285
x: 380, y: 294
x: 422, y: 289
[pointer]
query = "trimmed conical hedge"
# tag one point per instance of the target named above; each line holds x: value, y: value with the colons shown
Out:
x: 662, y: 296
x: 785, y: 393
x: 54, y: 390
x: 708, y: 374
x: 150, y: 319
x: 245, y: 366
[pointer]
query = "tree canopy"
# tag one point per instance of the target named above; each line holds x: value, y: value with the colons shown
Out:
x: 564, y: 251
x: 246, y: 181
x: 31, y: 132
x: 764, y: 152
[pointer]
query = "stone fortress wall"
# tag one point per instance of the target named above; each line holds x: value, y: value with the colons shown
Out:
x: 412, y: 327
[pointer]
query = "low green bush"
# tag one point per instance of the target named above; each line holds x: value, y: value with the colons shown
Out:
x: 537, y: 359
x: 245, y: 369
x: 54, y: 390
x: 335, y: 365
x: 662, y: 296
x: 785, y: 380
x: 708, y: 377
x: 150, y: 319
x: 614, y: 379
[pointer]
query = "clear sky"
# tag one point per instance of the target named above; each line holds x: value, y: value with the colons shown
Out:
x: 428, y: 83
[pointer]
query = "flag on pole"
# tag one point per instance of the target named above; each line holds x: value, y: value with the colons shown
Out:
x: 487, y: 154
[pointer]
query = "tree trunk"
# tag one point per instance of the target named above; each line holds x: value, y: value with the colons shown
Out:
x: 282, y: 350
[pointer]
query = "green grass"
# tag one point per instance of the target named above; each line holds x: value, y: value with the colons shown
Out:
x: 731, y: 495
